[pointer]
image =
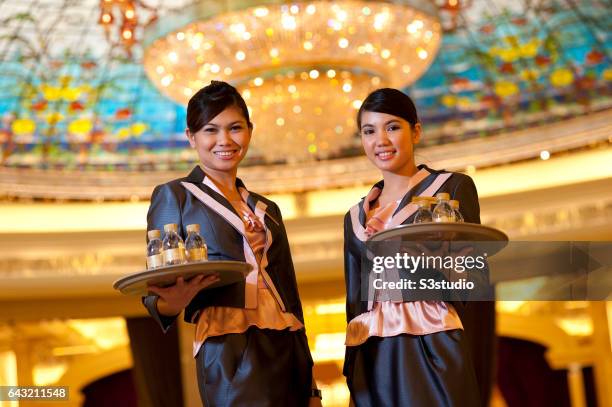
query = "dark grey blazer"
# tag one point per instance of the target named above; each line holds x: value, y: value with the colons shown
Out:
x: 459, y: 186
x: 173, y: 203
x: 478, y: 317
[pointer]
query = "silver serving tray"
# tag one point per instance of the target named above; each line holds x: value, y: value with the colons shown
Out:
x: 229, y: 272
x: 445, y: 232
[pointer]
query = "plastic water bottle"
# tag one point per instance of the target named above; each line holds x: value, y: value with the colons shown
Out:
x: 195, y: 245
x: 443, y: 211
x: 455, y: 205
x: 173, y: 246
x: 154, y: 250
x: 423, y: 214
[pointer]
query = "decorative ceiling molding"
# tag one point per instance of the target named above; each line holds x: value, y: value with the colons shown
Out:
x: 572, y: 134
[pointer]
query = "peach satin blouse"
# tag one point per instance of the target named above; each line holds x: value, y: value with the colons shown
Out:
x: 387, y: 318
x: 215, y: 321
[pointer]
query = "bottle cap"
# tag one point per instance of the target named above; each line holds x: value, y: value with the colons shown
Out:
x: 171, y: 227
x: 153, y: 234
x: 431, y: 199
x: 443, y: 196
x: 423, y: 203
x: 454, y: 203
x: 415, y: 199
x: 194, y: 227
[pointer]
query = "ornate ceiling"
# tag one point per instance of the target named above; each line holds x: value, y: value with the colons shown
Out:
x: 74, y: 95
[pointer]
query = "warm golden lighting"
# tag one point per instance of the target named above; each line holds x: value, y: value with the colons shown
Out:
x: 299, y: 107
x: 106, y: 333
x: 328, y: 347
x: 336, y: 394
x: 74, y: 350
x: 330, y: 308
x: 48, y: 373
x: 576, y: 326
x: 256, y: 47
x: 8, y: 370
x: 508, y: 306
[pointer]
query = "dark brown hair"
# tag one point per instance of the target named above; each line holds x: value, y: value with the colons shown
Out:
x: 211, y: 100
x: 390, y: 101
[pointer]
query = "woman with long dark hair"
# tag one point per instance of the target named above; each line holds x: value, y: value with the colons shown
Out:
x: 250, y: 344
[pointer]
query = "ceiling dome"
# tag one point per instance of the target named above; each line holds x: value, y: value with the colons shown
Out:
x: 77, y: 92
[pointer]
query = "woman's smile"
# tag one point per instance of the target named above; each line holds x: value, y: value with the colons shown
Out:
x: 386, y: 155
x: 226, y: 155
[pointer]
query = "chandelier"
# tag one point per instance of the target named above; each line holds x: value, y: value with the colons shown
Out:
x: 129, y: 18
x: 303, y: 68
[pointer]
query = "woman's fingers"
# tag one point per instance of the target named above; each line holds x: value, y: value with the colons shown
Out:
x: 412, y: 252
x: 430, y: 252
x: 195, y: 280
x: 183, y: 288
x: 423, y: 249
x: 199, y: 279
x: 160, y: 291
x: 199, y: 282
x: 214, y: 276
x: 466, y: 250
x: 444, y: 247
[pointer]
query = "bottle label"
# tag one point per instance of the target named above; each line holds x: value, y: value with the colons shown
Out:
x: 174, y: 256
x: 196, y: 254
x: 154, y: 261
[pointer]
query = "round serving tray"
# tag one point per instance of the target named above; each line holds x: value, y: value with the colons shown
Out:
x: 229, y: 272
x: 495, y: 239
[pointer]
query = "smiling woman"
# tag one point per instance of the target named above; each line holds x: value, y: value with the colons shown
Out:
x: 220, y: 132
x: 422, y: 345
x: 240, y: 328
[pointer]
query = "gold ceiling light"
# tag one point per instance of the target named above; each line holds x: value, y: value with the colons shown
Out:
x: 303, y: 68
x: 121, y: 19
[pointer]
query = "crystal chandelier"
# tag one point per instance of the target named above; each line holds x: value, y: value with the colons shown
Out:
x: 303, y: 68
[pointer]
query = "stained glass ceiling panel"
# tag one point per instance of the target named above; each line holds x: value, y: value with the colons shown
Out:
x: 71, y: 96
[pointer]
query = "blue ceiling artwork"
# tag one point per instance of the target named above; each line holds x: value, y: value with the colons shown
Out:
x: 74, y: 94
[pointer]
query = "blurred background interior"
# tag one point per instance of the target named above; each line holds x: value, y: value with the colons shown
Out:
x: 517, y: 94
